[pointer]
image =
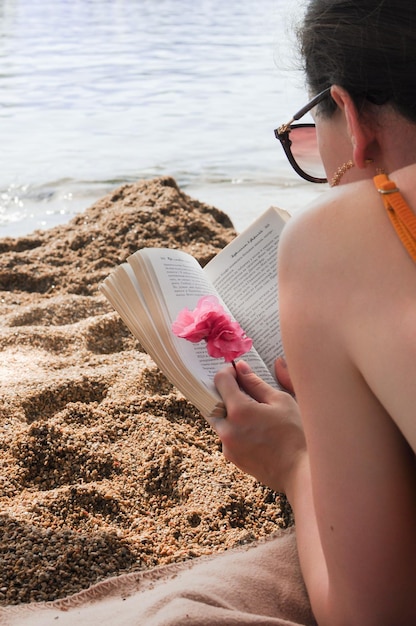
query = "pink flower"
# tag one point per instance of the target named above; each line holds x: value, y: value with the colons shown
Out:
x: 210, y: 322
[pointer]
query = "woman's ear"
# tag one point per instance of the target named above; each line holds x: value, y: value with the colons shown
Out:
x: 359, y: 129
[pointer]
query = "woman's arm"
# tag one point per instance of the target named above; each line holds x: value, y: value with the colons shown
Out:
x: 336, y: 284
x: 262, y: 434
x: 347, y: 586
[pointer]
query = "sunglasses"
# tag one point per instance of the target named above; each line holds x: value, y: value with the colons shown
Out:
x: 300, y: 143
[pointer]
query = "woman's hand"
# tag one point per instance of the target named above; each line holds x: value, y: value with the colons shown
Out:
x: 262, y: 433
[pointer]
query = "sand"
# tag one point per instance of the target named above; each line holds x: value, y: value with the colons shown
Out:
x: 105, y: 467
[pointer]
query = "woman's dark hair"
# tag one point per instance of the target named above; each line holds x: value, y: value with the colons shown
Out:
x: 368, y: 47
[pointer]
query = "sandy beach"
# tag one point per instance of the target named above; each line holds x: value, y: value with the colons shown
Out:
x: 105, y: 468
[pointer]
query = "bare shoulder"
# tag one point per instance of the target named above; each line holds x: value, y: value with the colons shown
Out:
x: 328, y: 232
x: 349, y: 225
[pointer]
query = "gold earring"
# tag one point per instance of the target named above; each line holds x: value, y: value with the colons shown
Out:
x: 336, y: 179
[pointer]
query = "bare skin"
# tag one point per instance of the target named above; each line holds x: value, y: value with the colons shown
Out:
x: 344, y: 451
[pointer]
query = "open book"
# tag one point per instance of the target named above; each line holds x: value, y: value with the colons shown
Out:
x: 155, y: 284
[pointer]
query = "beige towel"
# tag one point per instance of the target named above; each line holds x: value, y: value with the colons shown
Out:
x: 258, y: 584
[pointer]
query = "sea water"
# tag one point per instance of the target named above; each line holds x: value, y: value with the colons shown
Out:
x: 96, y: 93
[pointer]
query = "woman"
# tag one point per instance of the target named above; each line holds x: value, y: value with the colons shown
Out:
x: 344, y: 451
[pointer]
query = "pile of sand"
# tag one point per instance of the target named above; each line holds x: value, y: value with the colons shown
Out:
x: 105, y: 468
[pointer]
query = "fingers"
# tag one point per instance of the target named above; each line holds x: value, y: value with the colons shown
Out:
x: 242, y: 385
x: 253, y: 385
x: 282, y: 374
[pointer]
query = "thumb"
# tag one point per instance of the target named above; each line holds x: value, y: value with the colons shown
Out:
x: 252, y: 384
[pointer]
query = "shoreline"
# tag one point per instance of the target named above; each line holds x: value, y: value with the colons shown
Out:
x: 243, y: 201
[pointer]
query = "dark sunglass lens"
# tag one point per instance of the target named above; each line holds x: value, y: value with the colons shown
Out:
x: 305, y: 150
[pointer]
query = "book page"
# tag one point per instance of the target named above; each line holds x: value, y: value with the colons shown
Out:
x: 172, y: 280
x: 245, y: 275
x: 125, y: 294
